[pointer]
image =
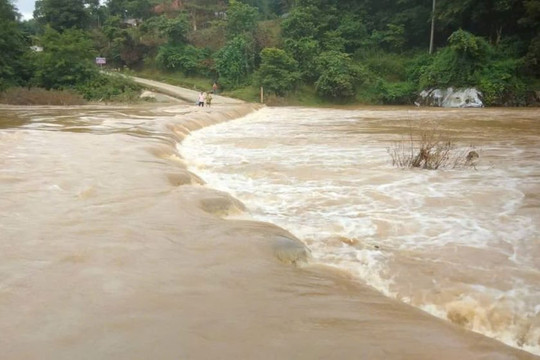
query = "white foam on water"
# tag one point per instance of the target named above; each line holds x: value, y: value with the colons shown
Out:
x: 455, y: 243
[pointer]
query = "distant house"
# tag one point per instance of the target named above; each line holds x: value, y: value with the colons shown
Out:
x: 133, y: 22
x: 220, y: 14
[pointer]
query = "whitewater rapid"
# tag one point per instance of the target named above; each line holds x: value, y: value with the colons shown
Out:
x: 461, y: 244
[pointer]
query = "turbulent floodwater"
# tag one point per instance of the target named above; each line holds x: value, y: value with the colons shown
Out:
x: 462, y: 244
x: 110, y: 248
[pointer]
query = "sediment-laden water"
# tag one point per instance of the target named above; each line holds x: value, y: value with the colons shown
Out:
x: 111, y: 249
x: 460, y: 243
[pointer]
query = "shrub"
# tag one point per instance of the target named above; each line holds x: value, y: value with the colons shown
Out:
x: 234, y: 62
x: 417, y: 66
x: 458, y: 63
x: 185, y: 58
x: 389, y: 66
x: 397, y: 93
x: 501, y: 85
x: 111, y: 87
x: 430, y: 149
x: 39, y: 96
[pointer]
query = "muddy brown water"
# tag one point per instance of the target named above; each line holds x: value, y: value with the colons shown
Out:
x: 111, y: 249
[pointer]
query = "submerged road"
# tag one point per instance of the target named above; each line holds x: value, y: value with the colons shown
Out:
x: 183, y: 93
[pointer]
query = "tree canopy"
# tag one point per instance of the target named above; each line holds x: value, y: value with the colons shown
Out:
x: 13, y: 47
x: 345, y: 50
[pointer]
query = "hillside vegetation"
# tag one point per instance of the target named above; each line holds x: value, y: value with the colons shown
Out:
x: 300, y: 51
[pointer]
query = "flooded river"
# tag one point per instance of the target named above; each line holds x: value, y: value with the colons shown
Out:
x: 121, y: 238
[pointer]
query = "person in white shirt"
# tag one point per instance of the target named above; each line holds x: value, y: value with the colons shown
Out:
x: 201, y: 99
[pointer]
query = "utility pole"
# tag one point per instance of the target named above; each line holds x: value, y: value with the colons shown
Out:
x: 432, y: 28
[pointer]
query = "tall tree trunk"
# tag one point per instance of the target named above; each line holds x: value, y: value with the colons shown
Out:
x: 432, y: 28
x: 194, y: 19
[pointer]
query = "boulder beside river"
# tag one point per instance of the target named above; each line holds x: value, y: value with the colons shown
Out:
x: 450, y: 97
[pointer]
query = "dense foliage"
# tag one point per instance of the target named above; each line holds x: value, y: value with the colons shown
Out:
x: 278, y: 71
x: 372, y: 51
x: 13, y: 48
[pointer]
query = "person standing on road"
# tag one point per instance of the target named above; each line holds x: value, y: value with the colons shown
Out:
x: 201, y: 99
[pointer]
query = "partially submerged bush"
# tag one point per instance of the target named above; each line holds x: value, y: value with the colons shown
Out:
x: 431, y: 149
x: 39, y: 96
x: 110, y: 87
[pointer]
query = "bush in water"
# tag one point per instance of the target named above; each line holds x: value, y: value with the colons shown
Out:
x: 431, y: 149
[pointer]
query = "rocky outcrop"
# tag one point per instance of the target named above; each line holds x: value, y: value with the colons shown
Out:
x: 452, y: 98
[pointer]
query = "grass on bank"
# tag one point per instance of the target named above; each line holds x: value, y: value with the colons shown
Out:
x: 303, y: 96
x: 110, y: 88
x: 39, y: 96
x: 197, y: 83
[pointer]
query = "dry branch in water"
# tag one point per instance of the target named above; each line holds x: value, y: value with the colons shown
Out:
x: 431, y: 149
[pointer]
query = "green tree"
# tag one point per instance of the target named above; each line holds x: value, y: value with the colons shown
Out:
x: 532, y: 58
x: 488, y: 19
x: 468, y: 46
x: 304, y: 51
x: 278, y: 71
x: 333, y: 41
x: 201, y: 12
x: 126, y: 9
x: 14, y: 68
x: 175, y: 29
x: 302, y: 22
x: 459, y: 63
x: 63, y: 14
x: 391, y: 39
x: 531, y: 23
x: 308, y: 31
x: 67, y: 59
x: 337, y: 76
x: 281, y: 7
x: 177, y: 55
x: 500, y: 83
x: 234, y: 62
x: 241, y: 19
x: 184, y: 58
x: 126, y: 45
x: 353, y: 31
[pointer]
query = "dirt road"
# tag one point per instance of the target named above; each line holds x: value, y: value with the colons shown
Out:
x: 182, y: 93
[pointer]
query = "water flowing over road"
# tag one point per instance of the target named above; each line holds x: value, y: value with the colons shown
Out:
x: 461, y: 243
x: 112, y: 248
